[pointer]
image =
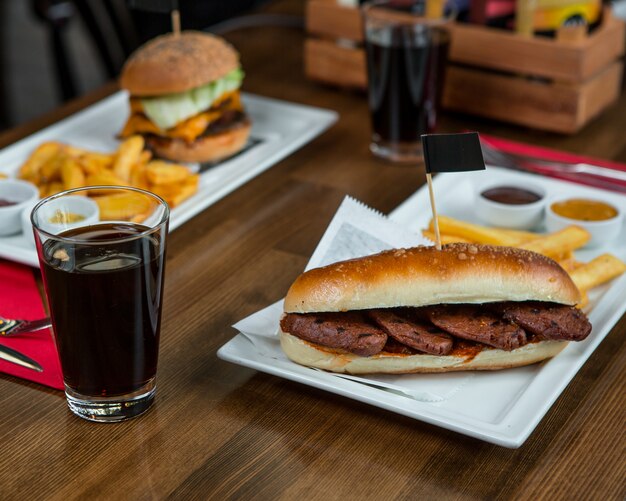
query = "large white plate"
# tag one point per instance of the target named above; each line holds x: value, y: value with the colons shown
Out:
x: 501, y: 407
x: 278, y: 129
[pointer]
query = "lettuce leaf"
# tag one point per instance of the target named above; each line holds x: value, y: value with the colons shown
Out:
x: 166, y: 111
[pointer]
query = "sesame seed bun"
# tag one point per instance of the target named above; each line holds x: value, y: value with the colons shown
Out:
x: 422, y: 276
x: 177, y: 63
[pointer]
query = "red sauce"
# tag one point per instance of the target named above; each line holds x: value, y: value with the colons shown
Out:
x: 511, y: 195
x: 466, y: 349
x: 6, y: 203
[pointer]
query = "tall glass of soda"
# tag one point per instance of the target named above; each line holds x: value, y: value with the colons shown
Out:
x: 102, y: 257
x: 406, y: 44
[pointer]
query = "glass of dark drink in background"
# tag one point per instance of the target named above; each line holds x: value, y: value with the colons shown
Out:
x: 406, y: 43
x: 103, y: 277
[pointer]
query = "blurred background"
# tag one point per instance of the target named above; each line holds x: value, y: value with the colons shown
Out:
x: 54, y: 50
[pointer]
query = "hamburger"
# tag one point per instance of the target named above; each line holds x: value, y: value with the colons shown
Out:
x: 184, y: 97
x: 464, y: 307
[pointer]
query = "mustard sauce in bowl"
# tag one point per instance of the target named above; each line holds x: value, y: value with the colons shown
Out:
x: 583, y: 209
x: 602, y: 220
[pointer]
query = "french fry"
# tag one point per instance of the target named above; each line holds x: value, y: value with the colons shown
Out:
x: 54, y: 167
x: 555, y: 244
x: 44, y: 152
x: 160, y: 172
x: 522, y: 236
x: 138, y: 177
x: 445, y: 239
x: 474, y: 233
x: 189, y: 187
x: 51, y: 189
x: 597, y: 271
x: 124, y: 206
x: 72, y: 175
x: 51, y: 170
x: 145, y: 157
x: 569, y: 264
x: 128, y: 155
x: 104, y: 178
x: 166, y: 191
x: 105, y: 160
x: 584, y: 300
x: 73, y: 151
x: 139, y: 218
x: 563, y: 256
x: 95, y: 162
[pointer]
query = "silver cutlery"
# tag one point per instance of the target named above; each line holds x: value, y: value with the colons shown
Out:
x: 15, y: 357
x: 516, y: 161
x: 10, y: 327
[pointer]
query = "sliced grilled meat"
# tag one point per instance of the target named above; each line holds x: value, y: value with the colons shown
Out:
x: 548, y: 320
x: 349, y: 331
x: 475, y: 323
x: 422, y: 336
x: 393, y: 346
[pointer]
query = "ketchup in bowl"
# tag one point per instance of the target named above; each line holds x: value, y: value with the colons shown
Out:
x: 511, y: 195
x: 509, y: 205
x: 6, y: 203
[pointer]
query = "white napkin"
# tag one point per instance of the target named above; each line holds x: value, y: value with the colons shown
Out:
x: 357, y: 230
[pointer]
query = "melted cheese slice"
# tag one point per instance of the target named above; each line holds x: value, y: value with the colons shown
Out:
x: 189, y: 130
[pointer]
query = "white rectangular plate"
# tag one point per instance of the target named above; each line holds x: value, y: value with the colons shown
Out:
x: 278, y: 129
x: 501, y: 407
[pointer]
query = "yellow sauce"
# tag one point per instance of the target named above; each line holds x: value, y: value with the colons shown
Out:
x: 584, y: 210
x: 66, y: 217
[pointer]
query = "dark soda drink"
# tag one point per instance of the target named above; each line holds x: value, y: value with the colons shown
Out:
x: 405, y: 71
x: 105, y: 302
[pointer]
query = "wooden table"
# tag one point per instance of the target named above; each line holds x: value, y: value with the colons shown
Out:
x: 219, y: 430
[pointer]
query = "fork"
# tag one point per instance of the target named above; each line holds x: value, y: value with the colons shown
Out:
x: 521, y: 162
x: 10, y: 327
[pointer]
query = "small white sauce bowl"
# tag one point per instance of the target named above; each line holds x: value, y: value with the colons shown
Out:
x: 519, y: 217
x: 602, y: 232
x: 74, y: 204
x: 23, y: 194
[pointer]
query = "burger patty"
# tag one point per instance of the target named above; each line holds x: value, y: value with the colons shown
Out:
x: 227, y: 121
x: 433, y: 330
x: 349, y: 331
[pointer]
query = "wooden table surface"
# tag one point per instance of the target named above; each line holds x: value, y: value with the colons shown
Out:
x: 218, y: 430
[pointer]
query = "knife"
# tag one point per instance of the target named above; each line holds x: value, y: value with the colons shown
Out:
x: 15, y: 357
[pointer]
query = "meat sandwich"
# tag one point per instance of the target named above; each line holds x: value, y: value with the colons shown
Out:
x: 184, y: 97
x: 464, y: 307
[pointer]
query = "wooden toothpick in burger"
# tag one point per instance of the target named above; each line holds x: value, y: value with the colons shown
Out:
x: 449, y: 153
x: 160, y: 6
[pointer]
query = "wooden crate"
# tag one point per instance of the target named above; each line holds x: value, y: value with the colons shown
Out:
x: 555, y: 84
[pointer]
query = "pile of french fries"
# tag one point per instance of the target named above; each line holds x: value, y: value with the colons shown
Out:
x: 559, y: 246
x: 56, y: 167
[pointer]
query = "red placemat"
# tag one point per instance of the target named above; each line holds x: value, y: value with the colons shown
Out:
x: 20, y: 298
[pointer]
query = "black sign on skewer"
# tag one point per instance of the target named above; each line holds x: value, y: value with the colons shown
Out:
x: 159, y: 6
x: 450, y: 153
